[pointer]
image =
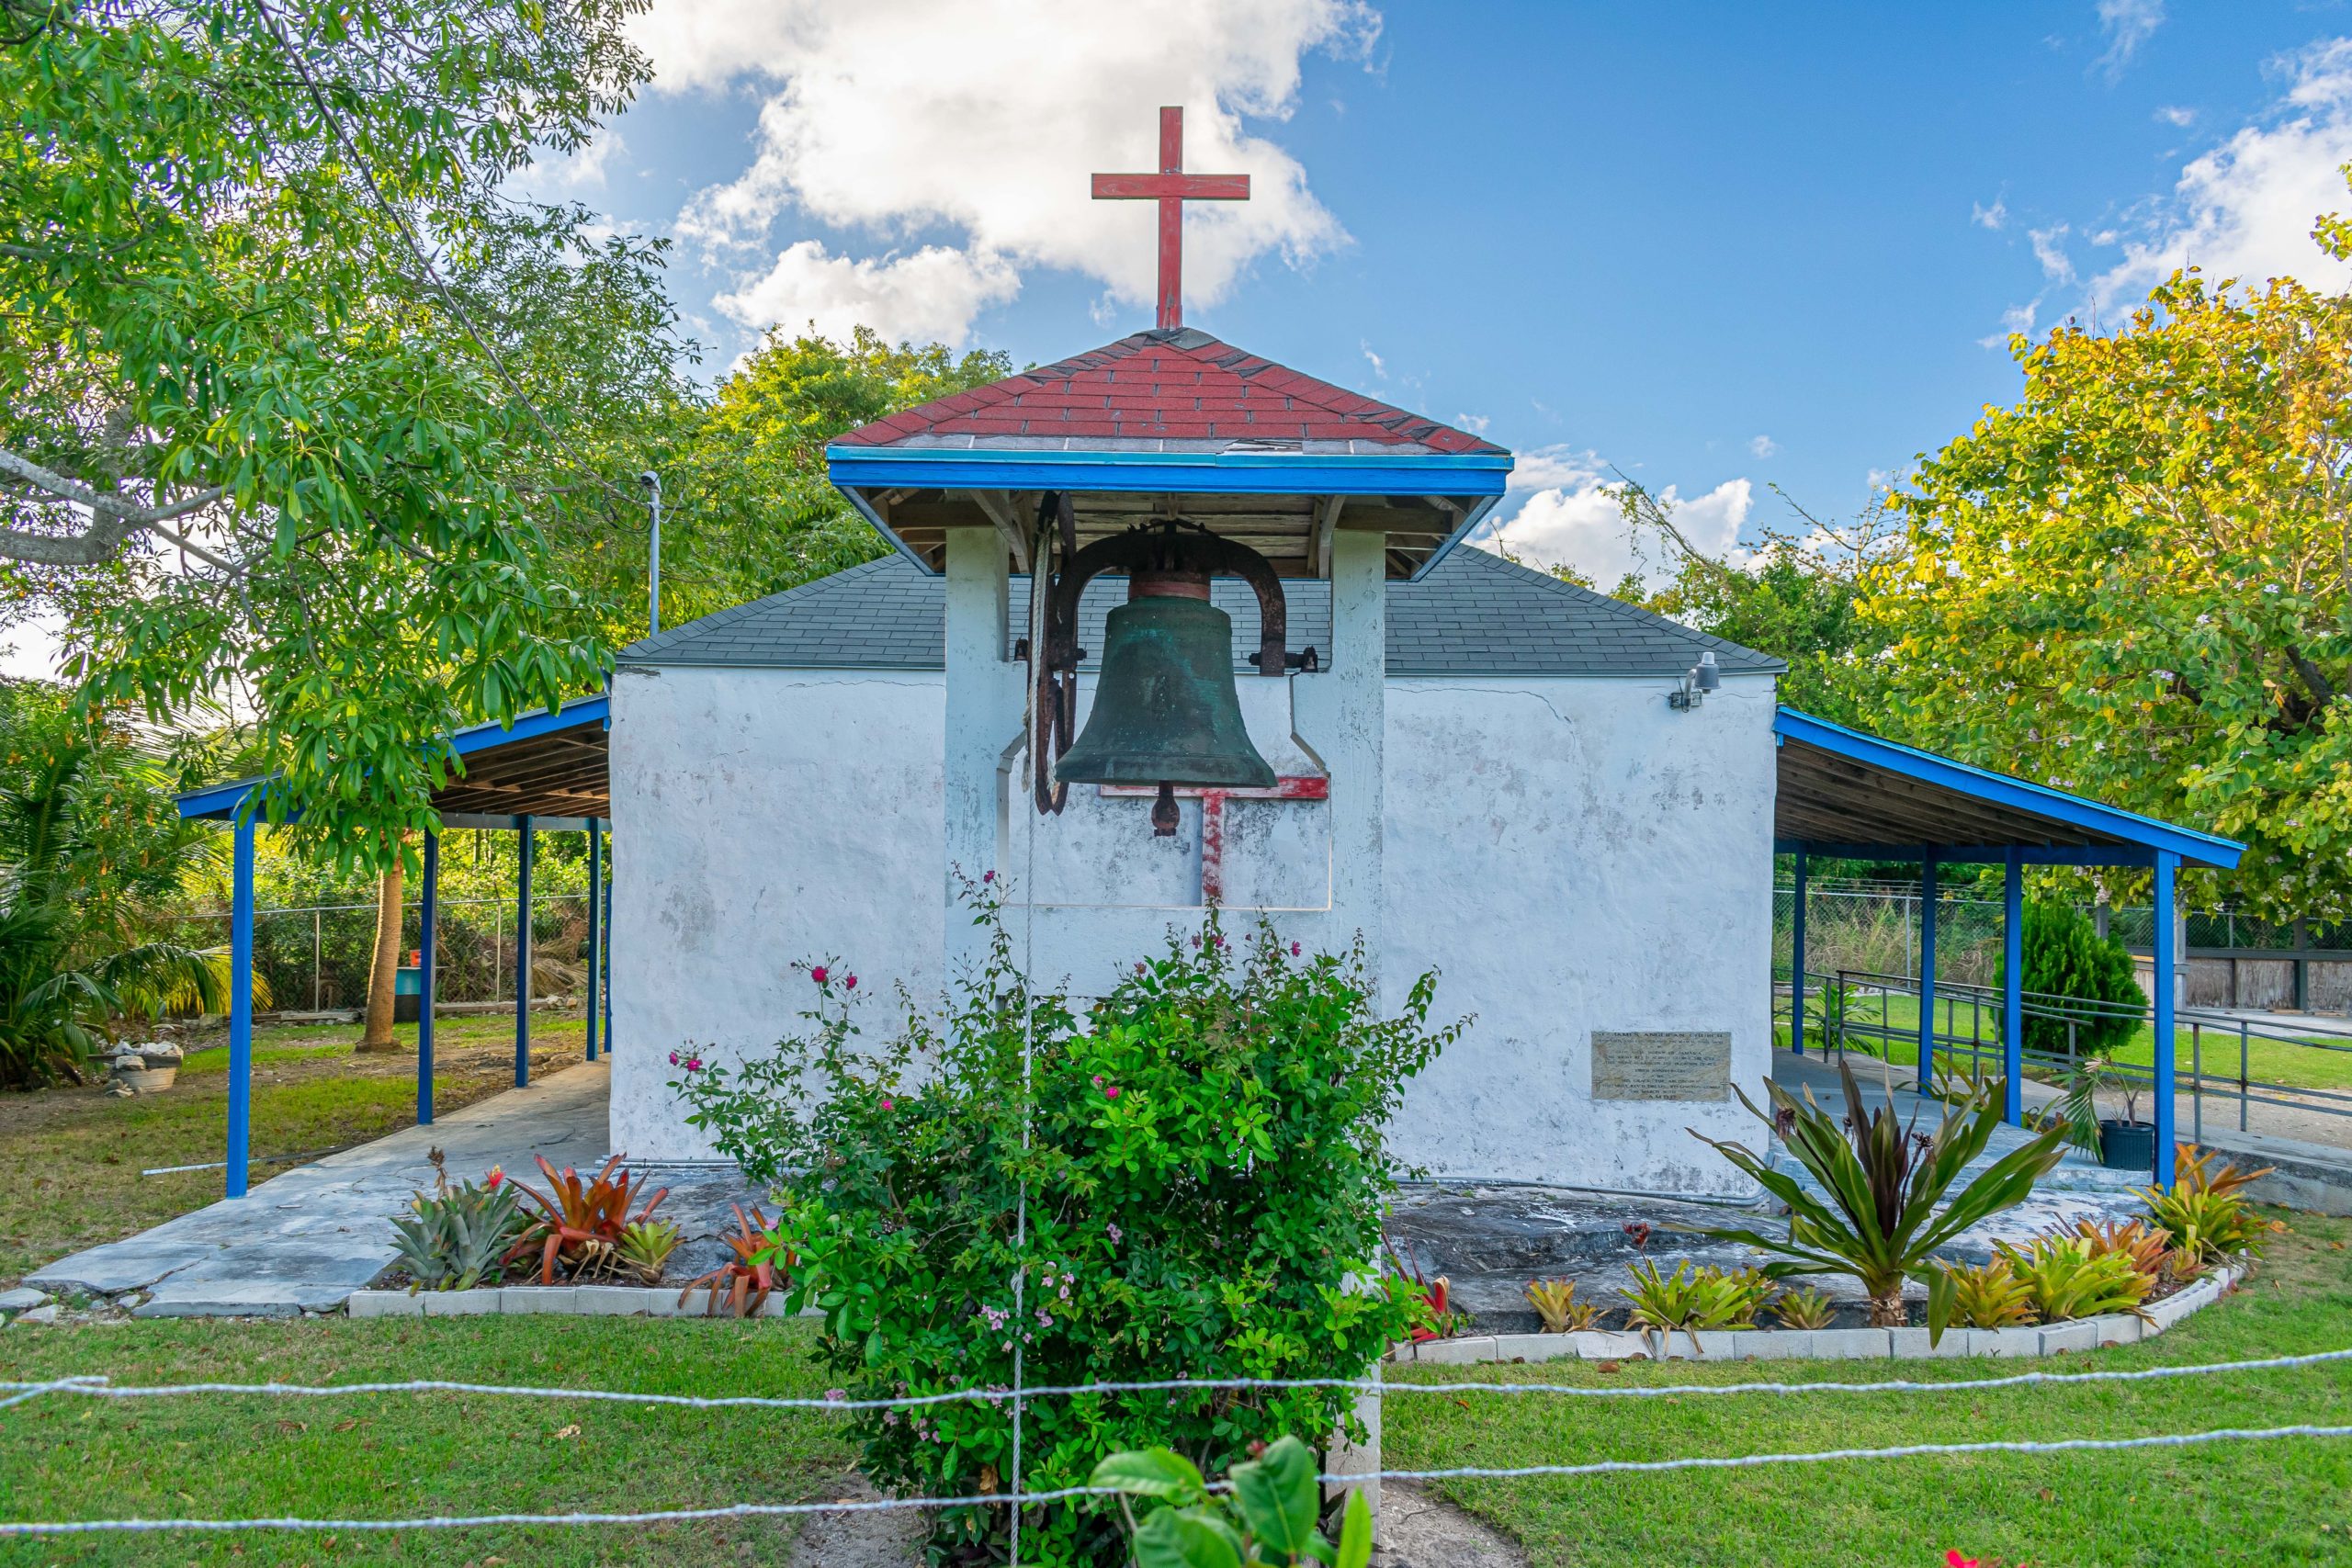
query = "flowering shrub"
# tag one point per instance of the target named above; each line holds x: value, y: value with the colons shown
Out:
x: 1205, y: 1168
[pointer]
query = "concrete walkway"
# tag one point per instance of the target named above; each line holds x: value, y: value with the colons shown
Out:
x: 306, y: 1239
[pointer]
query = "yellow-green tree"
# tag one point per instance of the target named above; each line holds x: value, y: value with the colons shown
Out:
x: 2136, y: 581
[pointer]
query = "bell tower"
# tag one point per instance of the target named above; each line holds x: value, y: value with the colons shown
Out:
x: 1167, y: 563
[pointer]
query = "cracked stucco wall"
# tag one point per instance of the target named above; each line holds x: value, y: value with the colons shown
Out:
x: 1572, y: 854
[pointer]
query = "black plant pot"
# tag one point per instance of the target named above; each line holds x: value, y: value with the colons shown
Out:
x: 2127, y: 1146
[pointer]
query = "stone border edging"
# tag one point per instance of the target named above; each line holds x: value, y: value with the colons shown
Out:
x: 1821, y: 1345
x: 576, y: 1301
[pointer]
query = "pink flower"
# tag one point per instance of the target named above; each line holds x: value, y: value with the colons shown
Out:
x: 835, y: 1395
x: 1098, y: 1080
x: 817, y: 974
x: 1294, y: 950
x: 1196, y: 941
x: 851, y: 982
x: 1110, y: 1093
x: 1140, y: 966
x: 987, y: 876
x: 1112, y: 1232
x: 1952, y: 1558
x: 1220, y: 941
x: 694, y: 1063
x: 673, y: 1058
x: 888, y: 1105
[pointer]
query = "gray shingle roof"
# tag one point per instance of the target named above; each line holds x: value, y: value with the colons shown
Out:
x: 1473, y: 614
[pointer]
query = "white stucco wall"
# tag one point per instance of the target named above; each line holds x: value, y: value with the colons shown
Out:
x: 1572, y: 855
x: 1575, y: 855
x: 762, y: 816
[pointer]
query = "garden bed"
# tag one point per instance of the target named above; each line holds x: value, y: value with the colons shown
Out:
x: 583, y: 1300
x: 1825, y: 1344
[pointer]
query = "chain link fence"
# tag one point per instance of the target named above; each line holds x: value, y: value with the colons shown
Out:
x: 317, y: 957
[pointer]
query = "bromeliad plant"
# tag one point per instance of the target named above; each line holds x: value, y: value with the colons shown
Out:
x: 1804, y: 1309
x: 580, y: 1223
x: 1990, y: 1295
x: 1264, y: 1517
x: 1890, y: 1201
x: 458, y: 1237
x: 1556, y: 1305
x: 2066, y: 1277
x: 759, y: 1264
x: 1693, y: 1299
x: 1205, y: 1168
x: 2205, y: 1213
x: 645, y: 1247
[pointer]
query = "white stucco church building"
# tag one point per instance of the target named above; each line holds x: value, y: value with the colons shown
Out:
x: 1481, y: 772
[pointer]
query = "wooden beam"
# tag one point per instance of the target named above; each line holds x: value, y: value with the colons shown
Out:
x: 1327, y: 522
x: 997, y: 505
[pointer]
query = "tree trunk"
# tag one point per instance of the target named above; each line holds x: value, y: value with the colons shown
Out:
x: 1886, y: 1311
x: 382, y: 972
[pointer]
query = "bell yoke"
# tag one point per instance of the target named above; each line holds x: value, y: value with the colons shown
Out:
x: 1166, y: 710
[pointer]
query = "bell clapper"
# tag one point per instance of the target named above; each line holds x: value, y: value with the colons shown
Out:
x: 1163, y: 812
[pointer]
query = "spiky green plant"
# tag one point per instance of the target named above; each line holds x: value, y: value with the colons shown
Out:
x: 2066, y: 1277
x: 1693, y: 1299
x: 459, y: 1236
x: 1888, y: 1209
x: 1990, y: 1295
x: 645, y: 1247
x: 1555, y: 1303
x: 1807, y: 1308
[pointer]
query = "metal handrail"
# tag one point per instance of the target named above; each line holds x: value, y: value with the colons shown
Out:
x: 2242, y: 1087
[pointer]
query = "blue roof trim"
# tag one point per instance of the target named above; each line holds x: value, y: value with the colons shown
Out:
x: 1213, y: 473
x: 224, y: 800
x: 2147, y: 832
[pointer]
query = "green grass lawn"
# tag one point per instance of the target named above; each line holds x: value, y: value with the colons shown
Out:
x: 406, y: 1455
x: 378, y: 1456
x: 69, y: 1158
x: 2308, y: 1066
x: 2289, y: 1501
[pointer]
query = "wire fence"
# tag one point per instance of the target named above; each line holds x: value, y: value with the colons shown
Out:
x: 317, y: 957
x: 1015, y: 1499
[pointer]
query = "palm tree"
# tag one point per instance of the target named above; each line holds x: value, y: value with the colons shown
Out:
x: 71, y: 890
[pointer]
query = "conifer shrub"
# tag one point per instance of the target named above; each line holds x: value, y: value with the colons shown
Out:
x: 1205, y: 1158
x: 2065, y: 956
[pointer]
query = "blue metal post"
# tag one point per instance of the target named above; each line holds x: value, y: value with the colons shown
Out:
x: 2013, y: 988
x: 521, y: 952
x: 428, y: 903
x: 595, y: 959
x: 608, y: 963
x: 1927, y: 970
x: 2167, y: 863
x: 1796, y: 959
x: 241, y: 1001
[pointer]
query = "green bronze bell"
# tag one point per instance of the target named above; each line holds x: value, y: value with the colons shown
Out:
x: 1165, y: 709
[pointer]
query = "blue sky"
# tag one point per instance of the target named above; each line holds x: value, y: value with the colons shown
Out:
x: 1716, y: 246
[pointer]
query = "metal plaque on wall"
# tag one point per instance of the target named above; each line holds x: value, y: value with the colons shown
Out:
x: 1661, y: 1065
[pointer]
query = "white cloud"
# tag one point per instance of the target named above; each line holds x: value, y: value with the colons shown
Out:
x: 901, y: 117
x: 2178, y: 115
x: 1566, y: 511
x: 1379, y: 366
x: 934, y: 293
x: 570, y: 179
x: 2244, y: 210
x: 1992, y: 216
x: 1763, y: 445
x: 2128, y: 24
x: 2048, y: 250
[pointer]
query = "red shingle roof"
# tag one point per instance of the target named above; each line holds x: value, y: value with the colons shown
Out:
x: 1180, y: 385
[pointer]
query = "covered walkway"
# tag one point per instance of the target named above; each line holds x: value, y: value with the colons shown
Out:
x: 546, y: 773
x: 1845, y: 795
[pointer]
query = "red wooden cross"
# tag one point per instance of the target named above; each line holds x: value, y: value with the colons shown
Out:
x: 1213, y: 800
x: 1172, y: 187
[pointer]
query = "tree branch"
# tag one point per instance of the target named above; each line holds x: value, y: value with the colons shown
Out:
x: 112, y: 519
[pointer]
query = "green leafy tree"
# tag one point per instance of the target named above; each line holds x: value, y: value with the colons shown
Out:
x: 1795, y: 597
x: 297, y: 401
x: 2132, y: 583
x: 2065, y: 956
x: 90, y: 848
x: 749, y: 509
